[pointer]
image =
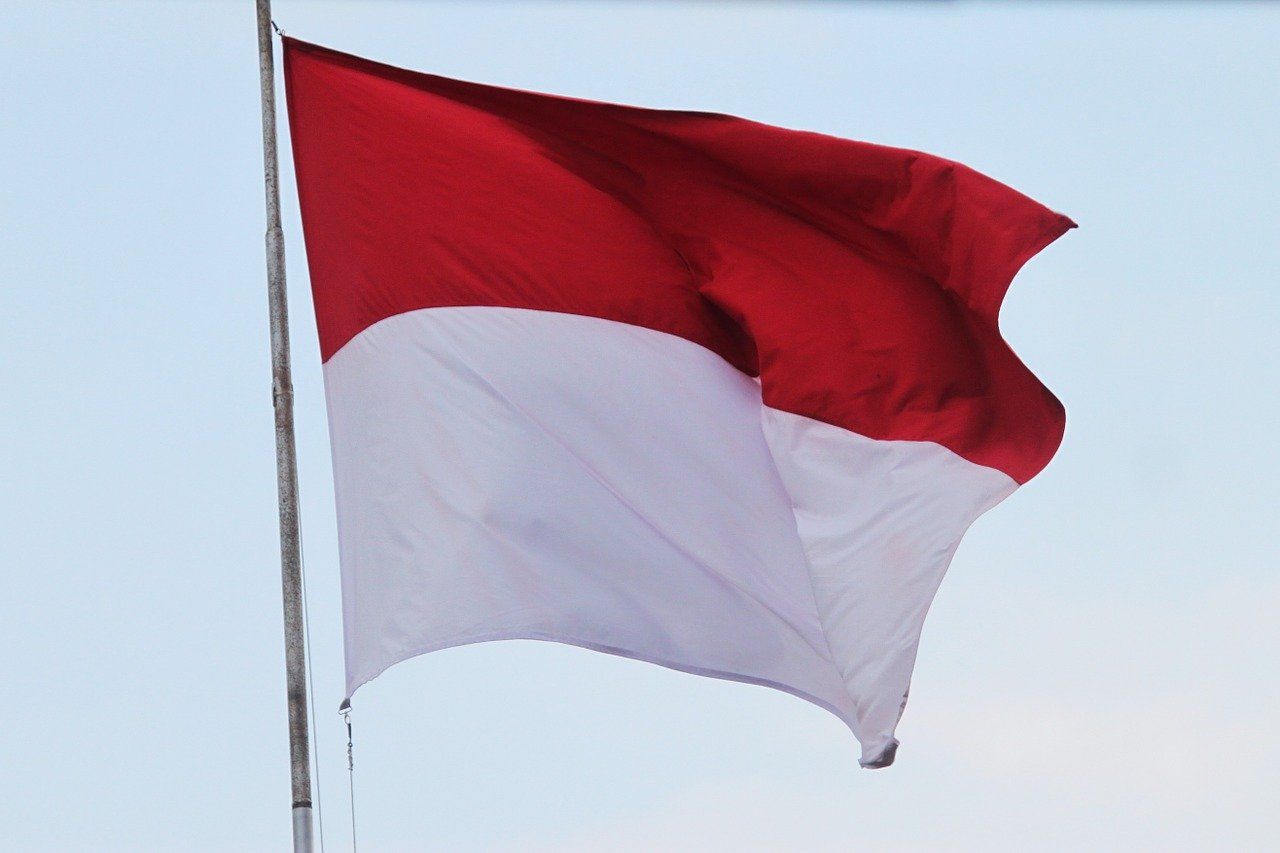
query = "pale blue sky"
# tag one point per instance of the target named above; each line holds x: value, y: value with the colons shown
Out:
x: 1099, y: 671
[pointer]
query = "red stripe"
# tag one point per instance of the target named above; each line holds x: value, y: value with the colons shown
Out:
x: 862, y: 283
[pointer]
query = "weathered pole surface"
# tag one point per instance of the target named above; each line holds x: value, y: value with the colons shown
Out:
x: 286, y: 456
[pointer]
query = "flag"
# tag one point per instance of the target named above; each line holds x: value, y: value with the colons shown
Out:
x: 675, y: 386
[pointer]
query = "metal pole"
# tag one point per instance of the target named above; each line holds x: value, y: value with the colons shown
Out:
x: 286, y: 458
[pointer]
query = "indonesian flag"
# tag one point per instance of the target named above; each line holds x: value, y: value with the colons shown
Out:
x: 669, y: 385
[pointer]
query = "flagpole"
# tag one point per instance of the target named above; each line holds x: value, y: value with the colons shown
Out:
x: 286, y: 455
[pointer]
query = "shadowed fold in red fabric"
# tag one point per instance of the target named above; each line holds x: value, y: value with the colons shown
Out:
x: 676, y: 386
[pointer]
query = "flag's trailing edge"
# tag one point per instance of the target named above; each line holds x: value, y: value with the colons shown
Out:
x: 675, y: 386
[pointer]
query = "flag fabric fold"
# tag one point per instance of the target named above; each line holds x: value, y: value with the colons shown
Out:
x: 675, y: 386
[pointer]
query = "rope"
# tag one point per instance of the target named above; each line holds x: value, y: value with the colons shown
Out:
x: 345, y: 709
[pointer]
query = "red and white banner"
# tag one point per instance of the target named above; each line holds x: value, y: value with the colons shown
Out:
x: 675, y: 386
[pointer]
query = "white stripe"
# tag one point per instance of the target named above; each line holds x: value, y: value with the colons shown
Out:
x: 505, y: 473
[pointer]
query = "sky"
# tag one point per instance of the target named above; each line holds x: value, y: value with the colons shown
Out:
x: 1100, y: 668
